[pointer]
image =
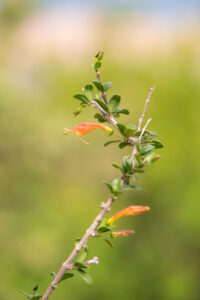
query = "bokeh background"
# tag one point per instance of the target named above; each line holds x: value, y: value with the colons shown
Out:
x: 51, y: 185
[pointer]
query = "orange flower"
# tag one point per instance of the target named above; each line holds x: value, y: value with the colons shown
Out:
x: 128, y: 211
x: 84, y: 128
x: 124, y: 232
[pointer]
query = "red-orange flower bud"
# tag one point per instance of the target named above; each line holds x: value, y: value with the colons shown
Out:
x: 128, y: 211
x: 84, y: 128
x: 124, y: 232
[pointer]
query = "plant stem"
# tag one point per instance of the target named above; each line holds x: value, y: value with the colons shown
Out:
x: 103, y: 93
x: 105, y: 207
x: 144, y: 128
x: 108, y: 118
x: 140, y: 124
x: 145, y: 108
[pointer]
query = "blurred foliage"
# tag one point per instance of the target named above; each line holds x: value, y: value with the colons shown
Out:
x: 14, y: 11
x: 51, y: 185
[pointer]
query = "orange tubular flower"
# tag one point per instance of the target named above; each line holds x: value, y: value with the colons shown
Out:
x: 128, y: 211
x: 124, y: 232
x: 84, y: 128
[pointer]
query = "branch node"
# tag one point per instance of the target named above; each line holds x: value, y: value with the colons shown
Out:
x: 131, y: 141
x: 89, y: 232
x: 78, y: 247
x: 54, y: 285
x: 98, y: 219
x: 65, y: 265
x: 105, y: 206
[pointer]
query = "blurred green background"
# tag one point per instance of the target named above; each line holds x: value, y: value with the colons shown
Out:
x: 51, y: 185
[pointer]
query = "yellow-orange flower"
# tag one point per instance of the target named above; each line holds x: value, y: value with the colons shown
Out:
x: 84, y: 128
x: 124, y: 232
x: 128, y: 211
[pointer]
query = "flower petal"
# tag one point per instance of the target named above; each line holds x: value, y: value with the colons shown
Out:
x: 128, y: 211
x: 84, y: 128
x: 124, y: 232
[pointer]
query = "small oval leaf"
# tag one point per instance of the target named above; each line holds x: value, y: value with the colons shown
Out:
x: 85, y: 276
x: 98, y: 85
x: 111, y: 142
x: 107, y: 86
x: 113, y: 103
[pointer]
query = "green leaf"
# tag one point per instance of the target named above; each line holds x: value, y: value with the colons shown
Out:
x: 115, y: 195
x: 77, y: 240
x: 98, y: 85
x: 104, y: 229
x: 78, y: 111
x: 85, y: 276
x: 111, y: 142
x: 100, y: 118
x: 31, y: 296
x: 121, y: 128
x: 138, y: 170
x: 108, y: 241
x: 128, y: 132
x: 82, y: 98
x: 107, y: 85
x: 121, y: 111
x: 146, y: 149
x: 130, y: 187
x: 114, y: 187
x: 138, y: 158
x: 83, y: 256
x: 127, y: 164
x: 130, y: 129
x: 137, y: 144
x: 97, y: 65
x: 89, y: 91
x: 150, y: 158
x: 116, y: 184
x: 109, y: 185
x: 117, y: 167
x: 66, y: 275
x: 113, y: 103
x: 153, y: 133
x: 102, y: 104
x: 157, y: 144
x: 79, y: 265
x: 99, y: 56
x: 124, y: 144
x: 139, y: 132
x: 103, y: 223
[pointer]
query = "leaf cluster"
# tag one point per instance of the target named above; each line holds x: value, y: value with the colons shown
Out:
x: 95, y: 91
